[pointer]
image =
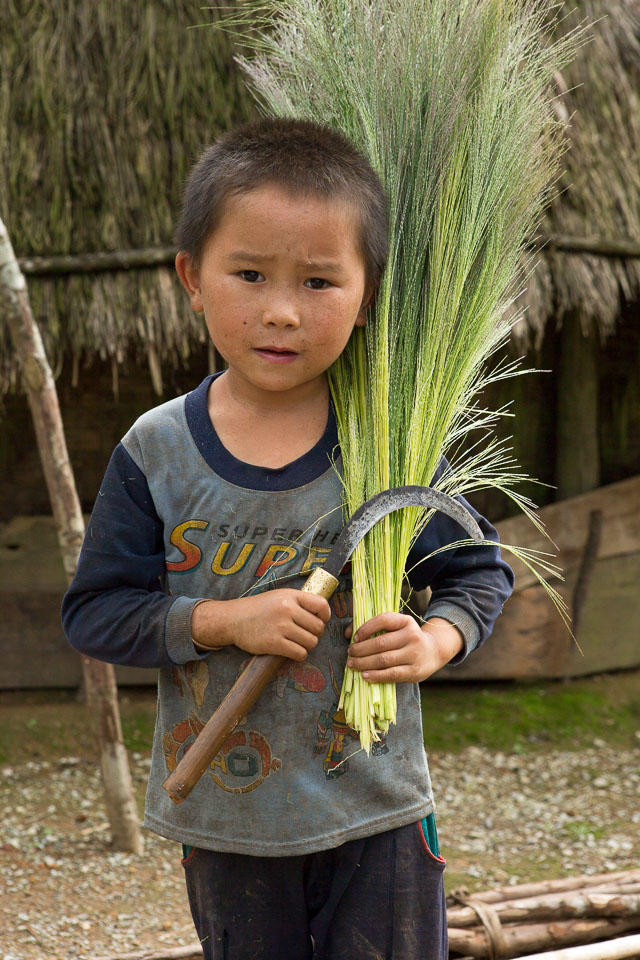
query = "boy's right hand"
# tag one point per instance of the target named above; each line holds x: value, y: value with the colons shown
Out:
x: 283, y: 622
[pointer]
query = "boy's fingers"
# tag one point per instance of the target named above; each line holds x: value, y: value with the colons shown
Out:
x: 309, y: 621
x: 383, y: 623
x: 314, y: 604
x: 390, y: 659
x: 378, y: 645
x: 392, y: 675
x: 293, y: 651
x: 301, y: 636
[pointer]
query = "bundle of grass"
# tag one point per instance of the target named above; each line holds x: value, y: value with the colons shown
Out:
x: 450, y: 100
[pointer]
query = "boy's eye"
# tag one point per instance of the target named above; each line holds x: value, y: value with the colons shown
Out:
x: 317, y: 283
x: 251, y: 276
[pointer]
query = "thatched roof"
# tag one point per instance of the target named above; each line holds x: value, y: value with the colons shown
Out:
x: 599, y: 192
x: 104, y: 106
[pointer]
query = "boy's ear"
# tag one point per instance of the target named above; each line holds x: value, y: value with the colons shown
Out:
x: 367, y: 300
x: 190, y: 279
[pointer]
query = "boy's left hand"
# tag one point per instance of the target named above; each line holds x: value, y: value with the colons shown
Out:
x: 403, y: 651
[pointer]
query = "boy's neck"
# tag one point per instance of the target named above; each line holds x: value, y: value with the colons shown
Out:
x: 268, y: 428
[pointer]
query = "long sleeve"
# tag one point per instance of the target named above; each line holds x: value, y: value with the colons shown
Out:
x: 469, y: 585
x: 116, y: 608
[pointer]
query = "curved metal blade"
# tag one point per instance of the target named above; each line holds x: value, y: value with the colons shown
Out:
x: 395, y: 499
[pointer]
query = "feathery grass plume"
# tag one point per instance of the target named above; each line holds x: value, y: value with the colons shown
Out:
x: 451, y: 102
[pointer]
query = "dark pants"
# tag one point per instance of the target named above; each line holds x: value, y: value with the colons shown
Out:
x: 378, y: 898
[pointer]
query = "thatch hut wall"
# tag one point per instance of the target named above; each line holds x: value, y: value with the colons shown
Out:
x: 103, y: 108
x: 598, y: 194
x: 534, y: 402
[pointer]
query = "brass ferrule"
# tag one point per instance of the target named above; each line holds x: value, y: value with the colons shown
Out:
x: 320, y: 582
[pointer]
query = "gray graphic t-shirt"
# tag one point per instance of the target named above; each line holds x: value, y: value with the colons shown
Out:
x: 179, y: 519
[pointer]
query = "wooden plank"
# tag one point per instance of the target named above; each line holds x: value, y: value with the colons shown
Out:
x: 567, y: 523
x: 33, y: 649
x: 530, y: 641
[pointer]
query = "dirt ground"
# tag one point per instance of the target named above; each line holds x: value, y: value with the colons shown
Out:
x: 506, y: 813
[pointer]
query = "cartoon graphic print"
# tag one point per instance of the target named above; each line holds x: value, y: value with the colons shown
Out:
x: 246, y: 756
x: 334, y: 733
x: 195, y: 677
x: 293, y: 675
x: 243, y: 763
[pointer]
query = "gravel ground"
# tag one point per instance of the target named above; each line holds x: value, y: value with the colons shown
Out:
x: 514, y: 818
x: 501, y: 819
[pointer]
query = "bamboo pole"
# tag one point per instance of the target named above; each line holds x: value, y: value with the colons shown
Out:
x: 627, y: 247
x: 611, y: 950
x: 455, y: 913
x: 110, y: 260
x: 102, y: 696
x: 577, y: 440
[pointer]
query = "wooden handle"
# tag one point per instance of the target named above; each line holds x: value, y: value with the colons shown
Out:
x: 238, y: 701
x: 241, y: 697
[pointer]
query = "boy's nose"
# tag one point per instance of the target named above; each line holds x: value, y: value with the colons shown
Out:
x: 282, y: 314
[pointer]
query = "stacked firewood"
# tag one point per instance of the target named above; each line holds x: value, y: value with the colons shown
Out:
x: 544, y: 918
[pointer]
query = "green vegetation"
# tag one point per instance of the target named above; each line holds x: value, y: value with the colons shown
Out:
x: 138, y: 721
x: 510, y: 717
x: 50, y: 724
x: 515, y: 718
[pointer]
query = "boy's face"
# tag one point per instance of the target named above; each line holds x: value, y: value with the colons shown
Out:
x: 282, y: 284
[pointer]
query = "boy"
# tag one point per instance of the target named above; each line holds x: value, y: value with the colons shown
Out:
x: 213, y: 509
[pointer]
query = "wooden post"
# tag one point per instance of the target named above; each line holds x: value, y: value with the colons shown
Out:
x: 102, y: 695
x: 577, y: 447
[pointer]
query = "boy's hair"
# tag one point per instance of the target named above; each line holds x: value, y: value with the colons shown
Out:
x: 301, y: 156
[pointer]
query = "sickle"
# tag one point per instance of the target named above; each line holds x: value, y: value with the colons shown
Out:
x: 322, y: 581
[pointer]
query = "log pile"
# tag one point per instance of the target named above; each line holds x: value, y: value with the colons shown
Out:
x: 545, y: 918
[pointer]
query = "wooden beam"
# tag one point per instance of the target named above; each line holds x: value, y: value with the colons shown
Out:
x: 519, y: 940
x: 624, y: 248
x: 541, y: 888
x: 568, y: 523
x: 611, y: 950
x: 577, y: 444
x: 114, y: 260
x: 98, y: 262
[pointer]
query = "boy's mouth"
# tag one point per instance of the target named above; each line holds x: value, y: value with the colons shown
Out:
x: 276, y: 354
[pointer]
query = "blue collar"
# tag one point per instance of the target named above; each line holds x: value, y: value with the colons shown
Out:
x: 306, y: 468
